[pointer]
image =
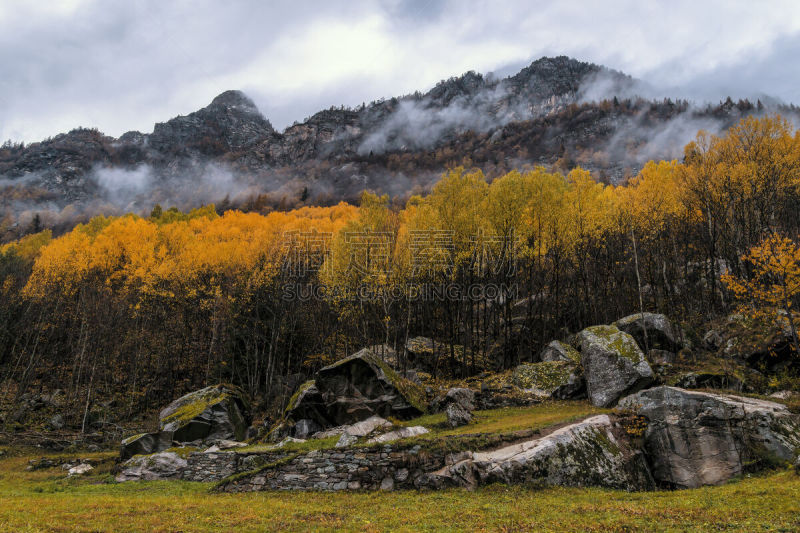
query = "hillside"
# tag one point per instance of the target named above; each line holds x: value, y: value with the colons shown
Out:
x: 555, y: 112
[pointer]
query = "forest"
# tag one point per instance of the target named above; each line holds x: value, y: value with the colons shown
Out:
x: 126, y: 313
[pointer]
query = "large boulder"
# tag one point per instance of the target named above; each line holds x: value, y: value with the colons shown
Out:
x: 653, y: 331
x: 613, y: 364
x: 354, y: 389
x: 697, y: 438
x: 213, y: 413
x: 764, y: 344
x: 559, y: 351
x: 307, y: 404
x: 588, y: 453
x: 559, y: 379
x: 457, y: 415
x: 461, y: 396
x: 162, y: 465
x: 145, y: 444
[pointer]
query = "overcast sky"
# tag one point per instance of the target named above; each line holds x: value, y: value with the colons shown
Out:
x: 123, y: 65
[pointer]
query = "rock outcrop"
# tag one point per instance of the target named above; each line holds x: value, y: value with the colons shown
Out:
x: 613, y: 364
x: 219, y: 412
x: 698, y: 438
x: 653, y: 331
x: 588, y: 453
x: 209, y: 415
x: 162, y: 465
x: 354, y: 389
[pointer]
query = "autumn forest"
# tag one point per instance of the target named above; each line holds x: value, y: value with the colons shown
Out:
x: 126, y: 313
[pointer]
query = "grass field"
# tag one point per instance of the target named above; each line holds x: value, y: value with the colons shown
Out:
x: 46, y: 501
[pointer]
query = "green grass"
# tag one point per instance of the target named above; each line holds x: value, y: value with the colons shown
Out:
x: 291, y: 447
x: 46, y: 501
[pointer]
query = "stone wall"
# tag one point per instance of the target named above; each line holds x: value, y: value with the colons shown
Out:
x: 219, y: 465
x: 385, y: 468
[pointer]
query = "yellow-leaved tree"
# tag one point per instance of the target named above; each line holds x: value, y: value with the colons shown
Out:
x: 775, y: 280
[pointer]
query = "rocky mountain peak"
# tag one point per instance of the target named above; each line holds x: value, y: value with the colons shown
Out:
x: 234, y: 101
x: 551, y: 76
x: 465, y: 85
x: 230, y: 122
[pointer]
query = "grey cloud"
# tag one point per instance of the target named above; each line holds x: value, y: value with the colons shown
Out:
x: 126, y: 65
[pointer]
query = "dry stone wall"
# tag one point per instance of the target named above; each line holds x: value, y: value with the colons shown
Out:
x: 386, y: 468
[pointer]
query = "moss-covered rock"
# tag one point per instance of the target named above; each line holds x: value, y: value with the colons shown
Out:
x: 653, y: 331
x: 545, y: 376
x: 613, y: 364
x: 587, y: 453
x: 559, y: 351
x: 355, y: 388
x: 144, y: 444
x: 763, y: 343
x: 213, y: 413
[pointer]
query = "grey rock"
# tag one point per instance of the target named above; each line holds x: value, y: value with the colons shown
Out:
x: 145, y: 444
x: 56, y: 422
x: 653, y: 331
x: 545, y: 377
x: 586, y: 453
x: 613, y: 364
x: 228, y: 444
x: 286, y: 441
x: 401, y: 433
x: 387, y: 483
x: 365, y: 427
x: 573, y: 389
x: 401, y: 475
x: 332, y: 432
x: 354, y: 389
x: 457, y: 415
x: 213, y: 413
x: 697, y: 438
x: 162, y: 465
x: 559, y: 351
x: 305, y: 427
x: 712, y: 340
x: 461, y: 396
x: 346, y: 440
x: 79, y: 470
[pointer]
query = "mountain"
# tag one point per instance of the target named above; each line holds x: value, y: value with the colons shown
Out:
x: 556, y: 111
